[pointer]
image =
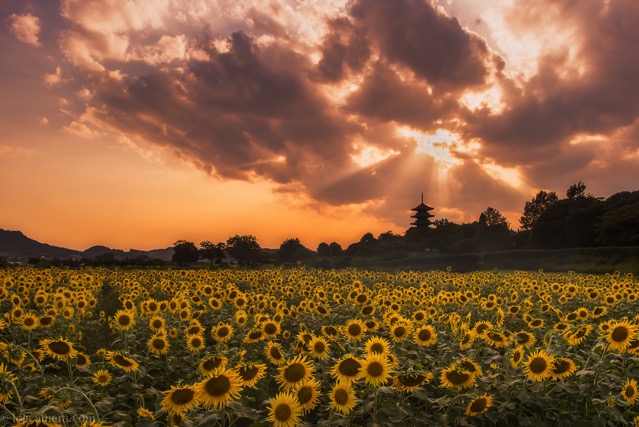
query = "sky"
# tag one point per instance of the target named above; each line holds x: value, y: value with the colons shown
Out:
x: 135, y: 123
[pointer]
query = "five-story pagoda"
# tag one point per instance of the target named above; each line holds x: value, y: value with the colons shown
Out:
x: 422, y: 216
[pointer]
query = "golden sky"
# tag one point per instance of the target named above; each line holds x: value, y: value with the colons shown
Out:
x: 134, y: 123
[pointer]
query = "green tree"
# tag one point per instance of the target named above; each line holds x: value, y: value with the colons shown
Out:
x: 535, y: 207
x: 244, y: 249
x: 185, y: 252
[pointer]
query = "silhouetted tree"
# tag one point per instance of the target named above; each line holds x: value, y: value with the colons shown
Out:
x: 619, y: 225
x: 292, y: 250
x: 335, y: 249
x: 491, y: 217
x: 535, y: 207
x: 323, y: 249
x: 576, y: 190
x: 185, y: 252
x: 244, y: 249
x: 214, y: 252
x: 493, y: 232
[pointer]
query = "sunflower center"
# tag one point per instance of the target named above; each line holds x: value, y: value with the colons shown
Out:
x: 157, y: 324
x: 304, y: 394
x: 350, y: 367
x: 411, y: 380
x: 319, y: 347
x: 218, y: 386
x: 630, y: 391
x: 424, y: 335
x: 124, y: 320
x: 367, y: 310
x: 295, y: 372
x: 122, y: 361
x: 29, y: 321
x: 222, y: 332
x: 213, y: 363
x: 103, y: 378
x: 481, y: 328
x: 182, y: 396
x: 283, y: 412
x: 354, y: 330
x: 341, y: 396
x: 275, y: 353
x: 255, y: 335
x: 377, y: 348
x: 330, y: 331
x: 158, y: 344
x: 248, y: 372
x: 270, y: 328
x: 375, y: 369
x: 620, y: 334
x: 400, y: 331
x: 538, y: 365
x: 457, y: 378
x: 60, y: 347
x: 560, y: 367
x: 46, y: 320
x: 495, y: 336
x: 479, y: 405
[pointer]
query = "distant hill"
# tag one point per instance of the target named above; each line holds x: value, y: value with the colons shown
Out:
x: 14, y: 244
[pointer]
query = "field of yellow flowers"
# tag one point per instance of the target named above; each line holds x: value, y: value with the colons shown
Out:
x: 285, y: 347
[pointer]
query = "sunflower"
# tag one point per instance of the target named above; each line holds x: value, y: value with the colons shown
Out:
x: 119, y: 360
x: 342, y: 397
x: 347, y: 369
x: 212, y: 363
x: 29, y: 321
x: 284, y: 410
x: 270, y: 328
x: 123, y: 320
x: 82, y: 360
x: 524, y: 339
x: 294, y: 372
x: 539, y: 365
x: 307, y: 393
x: 479, y: 405
x: 516, y: 357
x: 219, y: 389
x: 496, y: 339
x: 620, y: 335
x: 376, y: 369
x: 256, y: 335
x: 599, y: 311
x: 250, y: 374
x: 425, y: 336
x: 467, y: 339
x: 629, y: 391
x: 59, y: 349
x: 222, y: 332
x: 179, y: 400
x: 481, y: 328
x: 456, y: 377
x: 145, y: 413
x: 101, y: 377
x: 354, y: 329
x: 274, y: 353
x: 46, y: 321
x: 408, y: 382
x: 470, y: 366
x: 195, y: 343
x: 157, y: 344
x: 156, y: 323
x: 330, y: 331
x: 377, y: 345
x: 576, y: 337
x: 561, y: 368
x: 401, y: 331
x: 318, y: 348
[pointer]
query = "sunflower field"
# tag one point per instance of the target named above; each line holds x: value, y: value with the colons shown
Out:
x: 286, y: 347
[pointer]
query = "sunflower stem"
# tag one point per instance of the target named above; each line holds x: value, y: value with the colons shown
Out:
x: 5, y: 409
x: 18, y: 398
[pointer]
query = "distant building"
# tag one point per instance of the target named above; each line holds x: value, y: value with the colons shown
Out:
x: 422, y: 216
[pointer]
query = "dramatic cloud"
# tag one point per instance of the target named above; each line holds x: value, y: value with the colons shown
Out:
x: 366, y: 102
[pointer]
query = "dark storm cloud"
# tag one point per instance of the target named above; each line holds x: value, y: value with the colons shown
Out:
x: 384, y: 96
x: 433, y: 46
x: 552, y: 108
x: 235, y: 113
x: 344, y: 48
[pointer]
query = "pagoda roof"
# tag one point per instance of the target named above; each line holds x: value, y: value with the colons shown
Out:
x: 422, y: 207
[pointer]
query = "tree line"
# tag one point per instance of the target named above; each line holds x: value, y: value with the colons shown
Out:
x: 579, y: 219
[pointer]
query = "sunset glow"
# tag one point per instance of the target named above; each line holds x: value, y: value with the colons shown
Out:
x: 137, y: 123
